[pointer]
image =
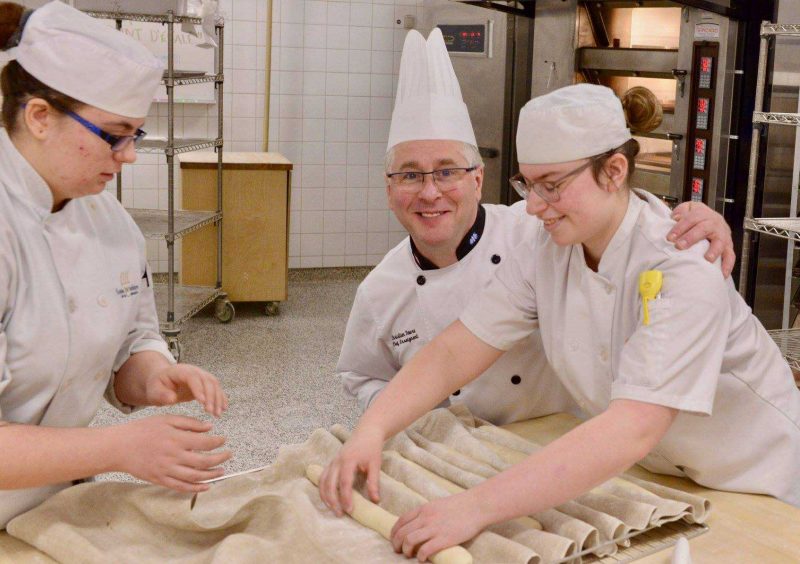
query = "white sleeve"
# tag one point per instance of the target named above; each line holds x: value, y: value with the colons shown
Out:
x: 365, y: 363
x: 676, y: 359
x: 504, y: 313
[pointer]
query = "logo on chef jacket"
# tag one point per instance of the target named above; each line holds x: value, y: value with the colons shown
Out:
x: 126, y: 288
x: 404, y: 337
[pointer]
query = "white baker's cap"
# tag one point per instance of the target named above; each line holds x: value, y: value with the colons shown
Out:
x: 571, y: 123
x: 429, y: 103
x: 89, y: 61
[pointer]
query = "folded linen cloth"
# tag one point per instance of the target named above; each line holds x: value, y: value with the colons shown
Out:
x: 278, y: 512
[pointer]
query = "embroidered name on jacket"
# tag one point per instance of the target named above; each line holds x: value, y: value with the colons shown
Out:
x: 126, y: 288
x: 404, y: 337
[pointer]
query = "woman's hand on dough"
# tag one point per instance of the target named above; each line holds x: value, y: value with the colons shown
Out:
x: 178, y: 383
x: 361, y: 453
x: 697, y: 222
x: 170, y: 450
x: 439, y: 524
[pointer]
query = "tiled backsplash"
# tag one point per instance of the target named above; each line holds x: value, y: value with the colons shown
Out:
x: 334, y: 73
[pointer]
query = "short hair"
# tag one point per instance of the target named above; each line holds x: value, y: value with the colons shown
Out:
x: 470, y: 153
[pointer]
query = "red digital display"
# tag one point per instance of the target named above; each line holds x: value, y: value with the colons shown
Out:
x: 705, y: 64
x: 697, y: 185
x: 702, y: 105
x: 700, y: 146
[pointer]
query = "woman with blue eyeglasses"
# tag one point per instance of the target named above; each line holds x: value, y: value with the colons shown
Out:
x: 77, y: 313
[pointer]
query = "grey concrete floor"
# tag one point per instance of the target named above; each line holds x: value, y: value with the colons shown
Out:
x: 278, y: 372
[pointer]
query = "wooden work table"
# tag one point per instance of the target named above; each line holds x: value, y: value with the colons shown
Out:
x: 743, y: 528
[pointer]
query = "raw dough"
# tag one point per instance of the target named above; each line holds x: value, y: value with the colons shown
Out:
x: 379, y: 520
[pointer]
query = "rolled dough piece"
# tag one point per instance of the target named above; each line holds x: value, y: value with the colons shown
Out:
x: 381, y: 521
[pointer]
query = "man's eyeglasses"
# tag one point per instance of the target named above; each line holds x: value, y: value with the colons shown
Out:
x: 412, y: 181
x: 117, y: 142
x: 551, y: 191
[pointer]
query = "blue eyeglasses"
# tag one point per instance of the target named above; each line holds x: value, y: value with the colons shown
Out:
x: 117, y: 142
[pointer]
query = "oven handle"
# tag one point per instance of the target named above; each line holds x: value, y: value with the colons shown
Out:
x: 488, y: 152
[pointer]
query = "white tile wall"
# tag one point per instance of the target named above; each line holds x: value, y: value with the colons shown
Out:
x: 343, y: 57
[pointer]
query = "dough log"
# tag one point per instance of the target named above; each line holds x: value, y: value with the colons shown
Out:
x: 379, y: 520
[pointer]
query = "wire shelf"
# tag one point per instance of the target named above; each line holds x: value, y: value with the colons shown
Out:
x: 783, y: 227
x: 158, y: 146
x: 198, y: 78
x: 776, y: 118
x: 155, y: 223
x: 152, y: 18
x: 788, y: 341
x: 779, y: 29
x: 188, y: 301
x: 642, y: 543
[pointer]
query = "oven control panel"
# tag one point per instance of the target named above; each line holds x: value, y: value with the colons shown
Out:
x: 703, y: 80
x: 465, y: 38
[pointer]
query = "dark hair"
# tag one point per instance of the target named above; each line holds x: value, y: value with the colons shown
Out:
x: 629, y: 150
x: 16, y: 84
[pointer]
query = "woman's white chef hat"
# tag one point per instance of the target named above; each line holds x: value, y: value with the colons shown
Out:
x: 429, y: 103
x: 89, y: 61
x: 571, y: 123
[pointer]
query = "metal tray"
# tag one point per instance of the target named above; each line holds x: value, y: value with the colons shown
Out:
x: 642, y: 543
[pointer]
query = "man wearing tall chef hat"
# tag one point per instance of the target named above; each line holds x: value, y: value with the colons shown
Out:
x: 434, y: 175
x: 77, y: 315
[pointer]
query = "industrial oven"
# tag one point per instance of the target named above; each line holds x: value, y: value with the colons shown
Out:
x: 684, y: 55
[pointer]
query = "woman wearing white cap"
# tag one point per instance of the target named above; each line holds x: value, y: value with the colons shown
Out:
x: 77, y: 316
x: 687, y: 383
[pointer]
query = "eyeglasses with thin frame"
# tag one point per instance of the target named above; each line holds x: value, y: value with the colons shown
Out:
x: 551, y: 191
x: 117, y: 142
x: 412, y: 181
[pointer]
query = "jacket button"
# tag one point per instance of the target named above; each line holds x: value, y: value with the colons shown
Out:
x: 515, y: 379
x: 456, y: 392
x: 421, y: 280
x: 496, y: 259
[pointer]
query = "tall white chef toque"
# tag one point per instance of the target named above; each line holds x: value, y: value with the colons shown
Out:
x: 429, y: 104
x: 571, y: 123
x: 87, y: 60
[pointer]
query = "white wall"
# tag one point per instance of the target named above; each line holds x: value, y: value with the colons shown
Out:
x: 333, y: 78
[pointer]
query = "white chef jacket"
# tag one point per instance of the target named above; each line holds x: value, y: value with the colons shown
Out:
x: 703, y: 352
x: 76, y: 300
x: 399, y: 308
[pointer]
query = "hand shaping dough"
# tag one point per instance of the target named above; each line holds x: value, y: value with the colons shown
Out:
x: 381, y: 521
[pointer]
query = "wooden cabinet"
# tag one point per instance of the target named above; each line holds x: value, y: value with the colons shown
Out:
x: 255, y: 226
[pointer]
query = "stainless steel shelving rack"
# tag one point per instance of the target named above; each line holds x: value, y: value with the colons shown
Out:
x: 788, y: 339
x: 177, y: 303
